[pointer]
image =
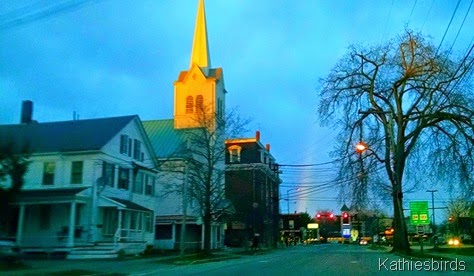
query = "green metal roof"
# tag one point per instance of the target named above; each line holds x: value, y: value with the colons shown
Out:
x: 165, y: 139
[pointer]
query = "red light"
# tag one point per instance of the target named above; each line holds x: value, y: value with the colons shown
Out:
x: 318, y: 216
x: 345, y: 215
x: 331, y: 215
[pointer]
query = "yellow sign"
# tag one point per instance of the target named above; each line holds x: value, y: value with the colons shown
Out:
x: 313, y: 226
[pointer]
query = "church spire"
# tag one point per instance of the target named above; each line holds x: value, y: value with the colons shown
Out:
x: 200, y: 51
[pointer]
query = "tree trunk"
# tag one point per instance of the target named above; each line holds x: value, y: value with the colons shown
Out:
x: 207, y: 233
x: 400, y: 235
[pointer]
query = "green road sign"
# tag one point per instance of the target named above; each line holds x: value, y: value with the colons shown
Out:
x: 419, y: 212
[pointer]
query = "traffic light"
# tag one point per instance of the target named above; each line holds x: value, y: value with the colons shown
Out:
x: 345, y: 218
x: 318, y: 216
x: 331, y: 216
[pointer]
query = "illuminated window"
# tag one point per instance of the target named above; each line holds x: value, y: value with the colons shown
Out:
x: 199, y: 104
x: 189, y: 105
x: 234, y: 154
x: 48, y: 173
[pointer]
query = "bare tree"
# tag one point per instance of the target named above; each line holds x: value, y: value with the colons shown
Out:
x: 13, y: 167
x: 201, y: 165
x: 412, y: 107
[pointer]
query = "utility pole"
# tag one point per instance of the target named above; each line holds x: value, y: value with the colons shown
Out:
x: 433, y: 214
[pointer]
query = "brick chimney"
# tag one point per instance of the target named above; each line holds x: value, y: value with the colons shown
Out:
x: 257, y: 135
x: 267, y: 147
x: 26, y: 112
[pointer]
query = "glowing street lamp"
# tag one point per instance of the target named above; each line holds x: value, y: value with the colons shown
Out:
x: 361, y: 147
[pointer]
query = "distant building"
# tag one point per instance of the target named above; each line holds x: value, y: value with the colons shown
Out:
x: 252, y: 185
x: 90, y: 182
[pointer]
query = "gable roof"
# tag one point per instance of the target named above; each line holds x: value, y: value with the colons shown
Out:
x: 65, y: 136
x: 165, y: 139
x: 215, y: 73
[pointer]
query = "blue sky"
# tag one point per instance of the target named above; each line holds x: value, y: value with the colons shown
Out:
x: 120, y: 57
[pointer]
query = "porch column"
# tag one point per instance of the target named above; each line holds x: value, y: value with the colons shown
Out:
x: 72, y: 222
x: 21, y: 218
x: 119, y: 226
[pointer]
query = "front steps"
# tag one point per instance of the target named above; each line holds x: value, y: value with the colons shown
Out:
x: 99, y: 251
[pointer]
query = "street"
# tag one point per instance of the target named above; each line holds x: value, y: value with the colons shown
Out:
x: 333, y: 259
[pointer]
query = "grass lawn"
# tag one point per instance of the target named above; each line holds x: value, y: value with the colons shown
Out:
x: 465, y: 251
x: 197, y: 259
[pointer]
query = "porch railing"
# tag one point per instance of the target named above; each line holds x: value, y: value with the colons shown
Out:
x: 129, y: 235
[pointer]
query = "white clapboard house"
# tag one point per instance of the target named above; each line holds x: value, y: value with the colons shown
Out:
x: 89, y: 189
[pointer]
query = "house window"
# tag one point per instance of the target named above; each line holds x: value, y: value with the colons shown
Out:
x: 137, y: 149
x: 124, y: 178
x: 148, y: 222
x: 234, y: 154
x: 138, y: 187
x: 134, y: 218
x: 129, y: 146
x: 163, y: 232
x: 76, y: 172
x: 48, y: 173
x: 110, y: 221
x: 199, y: 104
x: 108, y: 174
x: 189, y: 105
x: 124, y: 144
x: 149, y: 185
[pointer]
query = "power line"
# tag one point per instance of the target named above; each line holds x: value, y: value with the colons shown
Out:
x: 25, y: 16
x: 462, y: 24
x: 447, y: 28
x: 429, y: 11
x: 308, y: 165
x: 411, y: 13
x: 386, y: 23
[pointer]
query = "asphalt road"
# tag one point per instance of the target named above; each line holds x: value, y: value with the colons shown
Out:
x: 325, y: 259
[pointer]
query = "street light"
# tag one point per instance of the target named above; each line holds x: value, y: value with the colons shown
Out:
x: 361, y: 147
x: 288, y: 197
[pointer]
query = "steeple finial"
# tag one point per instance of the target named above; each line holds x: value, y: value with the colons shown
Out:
x: 200, y: 51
